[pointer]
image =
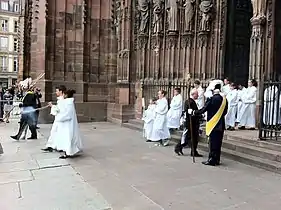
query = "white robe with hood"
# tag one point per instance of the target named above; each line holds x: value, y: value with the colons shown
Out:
x: 160, y: 129
x: 230, y: 117
x: 248, y: 110
x: 69, y: 136
x: 148, y: 119
x: 175, y: 112
x: 240, y: 94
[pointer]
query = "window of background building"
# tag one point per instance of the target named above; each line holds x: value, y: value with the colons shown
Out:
x: 3, y: 63
x: 16, y: 7
x: 4, y: 25
x: 16, y: 25
x: 3, y: 43
x: 5, y: 5
x: 16, y: 45
x: 16, y: 64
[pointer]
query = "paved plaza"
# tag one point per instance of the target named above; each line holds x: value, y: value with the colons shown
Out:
x: 118, y: 170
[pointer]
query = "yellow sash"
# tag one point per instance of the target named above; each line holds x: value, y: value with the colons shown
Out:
x: 211, y: 124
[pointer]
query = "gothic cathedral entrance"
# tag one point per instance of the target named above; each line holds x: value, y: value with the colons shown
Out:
x: 237, y: 46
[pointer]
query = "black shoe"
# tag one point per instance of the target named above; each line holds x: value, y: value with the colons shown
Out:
x: 32, y: 137
x: 208, y: 163
x: 242, y: 128
x: 64, y: 156
x: 48, y: 149
x: 15, y: 137
x: 148, y: 141
x: 60, y: 151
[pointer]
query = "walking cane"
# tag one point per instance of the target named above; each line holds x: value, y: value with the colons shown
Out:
x: 190, y: 119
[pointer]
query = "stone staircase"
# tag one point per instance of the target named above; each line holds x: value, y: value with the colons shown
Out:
x: 242, y: 146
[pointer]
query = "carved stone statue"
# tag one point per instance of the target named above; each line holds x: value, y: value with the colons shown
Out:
x: 144, y: 14
x: 158, y: 16
x: 205, y: 8
x: 172, y: 8
x: 189, y: 14
x: 118, y: 18
x: 259, y: 8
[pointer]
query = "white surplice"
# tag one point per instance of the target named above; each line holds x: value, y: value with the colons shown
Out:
x: 148, y: 119
x: 248, y: 110
x: 240, y: 94
x: 69, y: 135
x: 226, y: 89
x: 53, y: 140
x: 271, y: 110
x: 160, y: 130
x: 230, y: 117
x: 200, y: 101
x: 175, y: 112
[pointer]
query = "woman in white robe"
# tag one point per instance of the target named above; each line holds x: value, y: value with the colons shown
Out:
x: 175, y: 112
x: 160, y: 130
x: 248, y: 110
x: 148, y: 119
x: 230, y: 117
x: 240, y: 94
x: 70, y: 139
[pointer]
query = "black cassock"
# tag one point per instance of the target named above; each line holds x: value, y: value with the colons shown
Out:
x: 215, y: 139
x: 195, y: 128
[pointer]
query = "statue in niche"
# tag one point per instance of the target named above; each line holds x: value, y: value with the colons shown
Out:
x: 189, y: 14
x: 172, y: 8
x: 259, y: 8
x: 205, y: 8
x: 158, y: 16
x: 118, y: 17
x: 143, y: 7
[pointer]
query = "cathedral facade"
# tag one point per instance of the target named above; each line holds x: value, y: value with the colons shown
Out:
x: 109, y: 50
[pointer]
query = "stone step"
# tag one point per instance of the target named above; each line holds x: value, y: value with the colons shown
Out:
x: 269, y: 165
x: 253, y: 142
x: 247, y: 153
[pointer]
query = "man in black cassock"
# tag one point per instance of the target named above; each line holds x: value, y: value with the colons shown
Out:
x: 28, y: 117
x: 195, y: 124
x: 212, y: 107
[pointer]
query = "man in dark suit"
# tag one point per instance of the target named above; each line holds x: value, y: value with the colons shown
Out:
x: 216, y: 108
x: 194, y: 124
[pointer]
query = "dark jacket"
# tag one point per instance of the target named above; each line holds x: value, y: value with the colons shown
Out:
x: 38, y: 102
x: 211, y: 107
x: 195, y: 118
x: 29, y: 100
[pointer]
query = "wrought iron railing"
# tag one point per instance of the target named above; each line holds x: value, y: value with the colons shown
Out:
x: 270, y: 113
x: 150, y: 89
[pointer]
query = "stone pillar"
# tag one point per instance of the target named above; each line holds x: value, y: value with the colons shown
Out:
x: 172, y: 44
x: 257, y: 49
x: 202, y: 51
x: 186, y: 44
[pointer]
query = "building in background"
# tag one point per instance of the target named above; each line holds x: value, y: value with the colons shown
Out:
x: 10, y: 41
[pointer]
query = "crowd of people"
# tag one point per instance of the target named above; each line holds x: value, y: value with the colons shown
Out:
x: 224, y: 105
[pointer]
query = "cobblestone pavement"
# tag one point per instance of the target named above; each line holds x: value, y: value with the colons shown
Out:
x: 119, y: 170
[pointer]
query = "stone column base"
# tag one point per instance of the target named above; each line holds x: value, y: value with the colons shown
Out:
x: 120, y: 113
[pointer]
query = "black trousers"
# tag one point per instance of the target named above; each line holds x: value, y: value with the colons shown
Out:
x: 215, y: 143
x: 36, y: 117
x: 26, y: 120
x: 188, y: 141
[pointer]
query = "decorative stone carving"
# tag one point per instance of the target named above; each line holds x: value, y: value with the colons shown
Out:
x: 118, y: 17
x: 156, y: 42
x: 188, y: 14
x: 269, y: 19
x: 172, y: 8
x: 186, y: 40
x: 258, y: 27
x: 205, y: 8
x: 202, y: 39
x: 158, y: 6
x: 142, y: 41
x: 259, y: 8
x: 172, y: 40
x: 144, y: 14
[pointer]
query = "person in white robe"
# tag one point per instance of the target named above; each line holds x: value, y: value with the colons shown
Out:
x: 248, y: 110
x: 148, y: 119
x: 69, y: 136
x: 230, y: 117
x: 175, y: 112
x: 200, y: 101
x: 226, y: 87
x: 53, y: 140
x: 240, y: 94
x: 271, y: 110
x: 209, y: 90
x: 161, y: 131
